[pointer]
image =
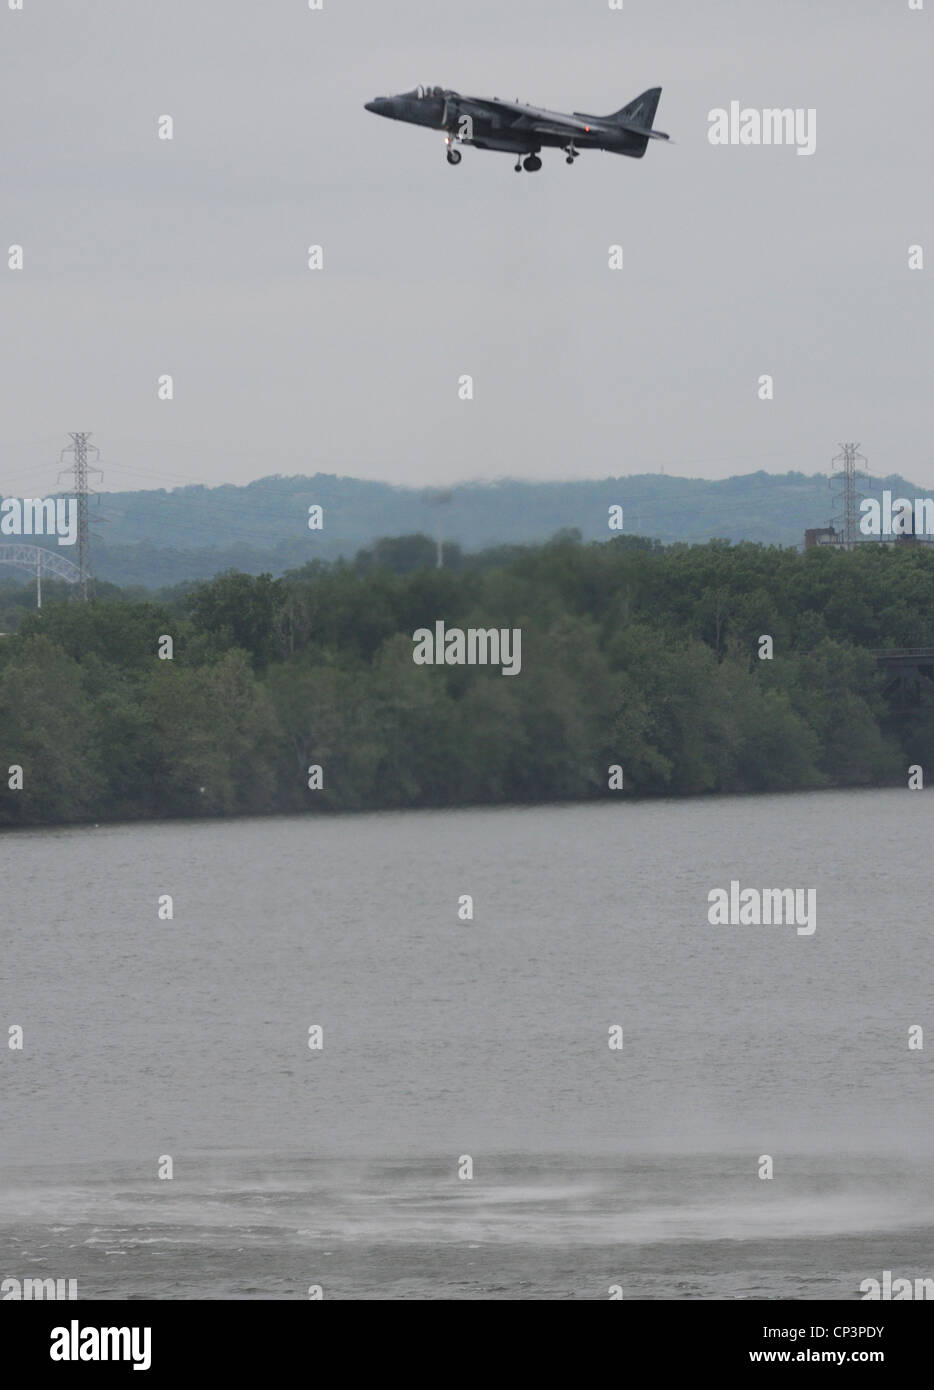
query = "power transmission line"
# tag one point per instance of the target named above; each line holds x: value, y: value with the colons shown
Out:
x: 850, y: 475
x: 80, y: 469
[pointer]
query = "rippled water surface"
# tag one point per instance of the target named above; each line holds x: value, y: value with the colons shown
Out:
x: 487, y: 1038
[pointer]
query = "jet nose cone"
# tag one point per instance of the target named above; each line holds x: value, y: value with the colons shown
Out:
x: 379, y: 106
x: 371, y: 106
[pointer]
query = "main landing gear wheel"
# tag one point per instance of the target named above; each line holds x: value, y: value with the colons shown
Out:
x: 454, y: 156
x: 532, y: 164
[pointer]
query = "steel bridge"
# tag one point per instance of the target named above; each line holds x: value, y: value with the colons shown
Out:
x: 910, y: 671
x: 39, y: 561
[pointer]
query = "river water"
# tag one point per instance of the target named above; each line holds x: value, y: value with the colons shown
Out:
x: 447, y: 1040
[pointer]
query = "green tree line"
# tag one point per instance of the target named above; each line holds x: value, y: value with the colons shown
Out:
x: 633, y: 654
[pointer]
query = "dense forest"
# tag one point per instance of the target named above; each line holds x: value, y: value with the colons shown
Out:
x: 632, y: 654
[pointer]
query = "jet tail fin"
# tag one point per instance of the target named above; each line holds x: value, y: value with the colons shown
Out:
x: 636, y: 120
x: 641, y: 111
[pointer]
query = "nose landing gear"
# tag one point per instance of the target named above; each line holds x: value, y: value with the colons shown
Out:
x: 454, y: 156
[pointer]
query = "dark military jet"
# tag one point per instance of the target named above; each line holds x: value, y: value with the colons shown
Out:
x: 492, y: 124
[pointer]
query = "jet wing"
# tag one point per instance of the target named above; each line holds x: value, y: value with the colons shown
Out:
x: 534, y: 118
x: 543, y: 128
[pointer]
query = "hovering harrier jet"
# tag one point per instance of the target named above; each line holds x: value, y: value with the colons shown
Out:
x: 492, y: 124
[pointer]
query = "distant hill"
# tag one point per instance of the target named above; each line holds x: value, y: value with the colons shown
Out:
x: 157, y: 538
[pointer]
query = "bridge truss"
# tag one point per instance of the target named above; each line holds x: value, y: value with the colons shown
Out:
x: 39, y: 561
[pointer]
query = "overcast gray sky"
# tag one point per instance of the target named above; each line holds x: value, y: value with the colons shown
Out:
x: 189, y: 257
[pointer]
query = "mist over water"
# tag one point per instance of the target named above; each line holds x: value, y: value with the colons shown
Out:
x: 489, y: 1038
